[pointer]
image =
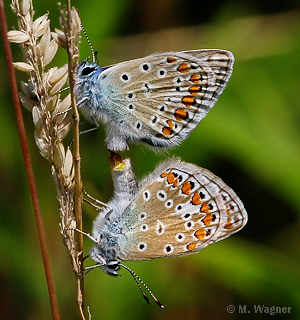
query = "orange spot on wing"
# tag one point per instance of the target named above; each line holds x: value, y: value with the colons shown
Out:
x: 207, y: 220
x: 196, y: 200
x: 200, y: 234
x: 171, y: 59
x: 188, y: 101
x: 192, y: 245
x: 164, y: 174
x: 205, y: 207
x: 228, y: 224
x: 181, y: 114
x: 172, y: 180
x: 186, y: 187
x: 195, y: 78
x: 194, y: 89
x: 167, y: 131
x: 184, y: 68
x: 171, y: 124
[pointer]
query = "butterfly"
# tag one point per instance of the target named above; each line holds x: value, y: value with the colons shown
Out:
x: 158, y: 99
x: 177, y: 210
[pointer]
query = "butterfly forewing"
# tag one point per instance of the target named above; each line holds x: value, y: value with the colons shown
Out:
x: 164, y: 96
x: 180, y: 209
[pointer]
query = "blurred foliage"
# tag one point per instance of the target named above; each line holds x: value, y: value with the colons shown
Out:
x: 251, y: 139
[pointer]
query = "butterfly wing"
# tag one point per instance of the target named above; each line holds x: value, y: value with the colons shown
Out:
x: 161, y: 98
x: 179, y: 210
x: 236, y: 215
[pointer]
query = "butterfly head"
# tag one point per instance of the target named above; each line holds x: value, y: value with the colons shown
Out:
x: 106, y: 259
x: 87, y: 98
x: 106, y: 248
x: 86, y: 69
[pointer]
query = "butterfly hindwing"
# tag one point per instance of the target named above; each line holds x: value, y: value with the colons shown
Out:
x: 179, y: 210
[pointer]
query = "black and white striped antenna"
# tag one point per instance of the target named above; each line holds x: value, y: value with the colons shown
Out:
x: 94, y: 53
x: 138, y: 280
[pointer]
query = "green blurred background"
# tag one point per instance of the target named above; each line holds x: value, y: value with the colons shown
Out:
x: 251, y: 139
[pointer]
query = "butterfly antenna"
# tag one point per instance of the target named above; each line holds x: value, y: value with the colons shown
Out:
x: 138, y: 284
x: 137, y: 279
x: 89, y: 42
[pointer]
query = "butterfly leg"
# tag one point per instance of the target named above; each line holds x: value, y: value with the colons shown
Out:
x: 95, y: 122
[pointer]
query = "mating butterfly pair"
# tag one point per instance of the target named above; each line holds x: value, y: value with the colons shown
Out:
x: 180, y: 208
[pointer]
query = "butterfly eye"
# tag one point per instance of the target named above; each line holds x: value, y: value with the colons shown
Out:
x: 113, y: 265
x: 87, y: 70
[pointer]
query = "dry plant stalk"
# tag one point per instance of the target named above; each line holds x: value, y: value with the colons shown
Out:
x: 41, y: 95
